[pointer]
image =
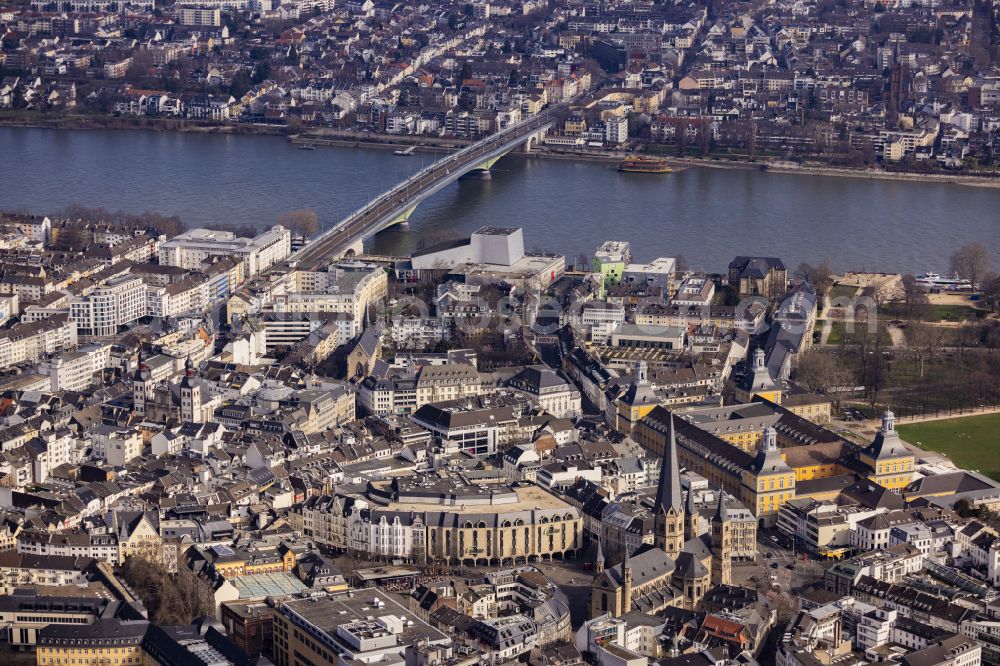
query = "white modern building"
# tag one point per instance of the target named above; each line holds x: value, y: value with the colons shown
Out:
x: 189, y: 249
x: 284, y: 329
x: 200, y: 16
x: 657, y: 273
x: 598, y: 319
x: 36, y: 228
x: 695, y: 291
x: 417, y: 332
x: 188, y: 296
x: 495, y: 246
x: 559, y: 475
x: 613, y: 641
x: 30, y: 341
x: 122, y: 446
x: 476, y: 431
x: 616, y: 130
x: 74, y: 371
x: 224, y: 5
x: 349, y: 287
x: 9, y: 307
x: 121, y: 301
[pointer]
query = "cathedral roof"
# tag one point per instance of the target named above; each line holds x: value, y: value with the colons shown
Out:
x: 647, y: 563
x: 696, y: 546
x: 689, y: 567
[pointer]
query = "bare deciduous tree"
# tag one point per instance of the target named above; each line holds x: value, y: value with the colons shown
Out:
x: 873, y: 371
x: 880, y: 293
x: 914, y: 297
x: 302, y: 222
x: 147, y: 220
x: 819, y: 276
x: 991, y: 290
x: 970, y: 261
x: 819, y: 372
x: 176, y: 599
x: 923, y: 341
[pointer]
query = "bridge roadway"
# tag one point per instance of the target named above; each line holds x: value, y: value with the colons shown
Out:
x: 396, y: 204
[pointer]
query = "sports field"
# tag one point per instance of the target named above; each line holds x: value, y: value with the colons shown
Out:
x: 972, y: 442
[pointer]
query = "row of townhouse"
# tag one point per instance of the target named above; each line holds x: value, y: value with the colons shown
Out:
x: 30, y: 342
x: 123, y: 300
x: 114, y: 540
x: 196, y: 106
x: 193, y: 295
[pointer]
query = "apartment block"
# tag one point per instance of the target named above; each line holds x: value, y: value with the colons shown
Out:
x: 189, y: 249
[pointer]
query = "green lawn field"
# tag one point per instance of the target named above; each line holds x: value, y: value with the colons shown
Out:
x: 972, y: 442
x: 842, y: 291
x: 954, y: 313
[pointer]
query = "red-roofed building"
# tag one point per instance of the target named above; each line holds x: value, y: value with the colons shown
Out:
x: 734, y: 635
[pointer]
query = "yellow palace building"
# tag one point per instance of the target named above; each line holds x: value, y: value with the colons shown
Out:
x: 758, y: 381
x: 106, y: 642
x: 776, y: 458
x: 889, y: 463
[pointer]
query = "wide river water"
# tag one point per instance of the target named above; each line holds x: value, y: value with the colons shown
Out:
x: 706, y: 215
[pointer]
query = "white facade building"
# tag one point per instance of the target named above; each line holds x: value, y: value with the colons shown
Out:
x: 494, y: 246
x: 174, y: 300
x: 657, y: 273
x: 200, y: 16
x: 417, y: 332
x: 30, y: 341
x: 598, y: 319
x: 189, y: 249
x: 122, y: 446
x: 119, y: 302
x: 616, y: 130
x: 549, y: 391
x: 74, y: 371
x: 283, y: 329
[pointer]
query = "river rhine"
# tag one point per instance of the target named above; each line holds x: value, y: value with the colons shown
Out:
x: 706, y: 215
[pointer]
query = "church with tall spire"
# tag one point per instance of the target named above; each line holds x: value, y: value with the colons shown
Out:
x: 142, y: 385
x: 668, y: 509
x: 191, y: 402
x: 690, y: 551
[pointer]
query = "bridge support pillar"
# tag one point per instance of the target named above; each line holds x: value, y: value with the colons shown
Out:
x: 481, y: 171
x: 358, y: 247
x: 403, y: 218
x: 533, y: 140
